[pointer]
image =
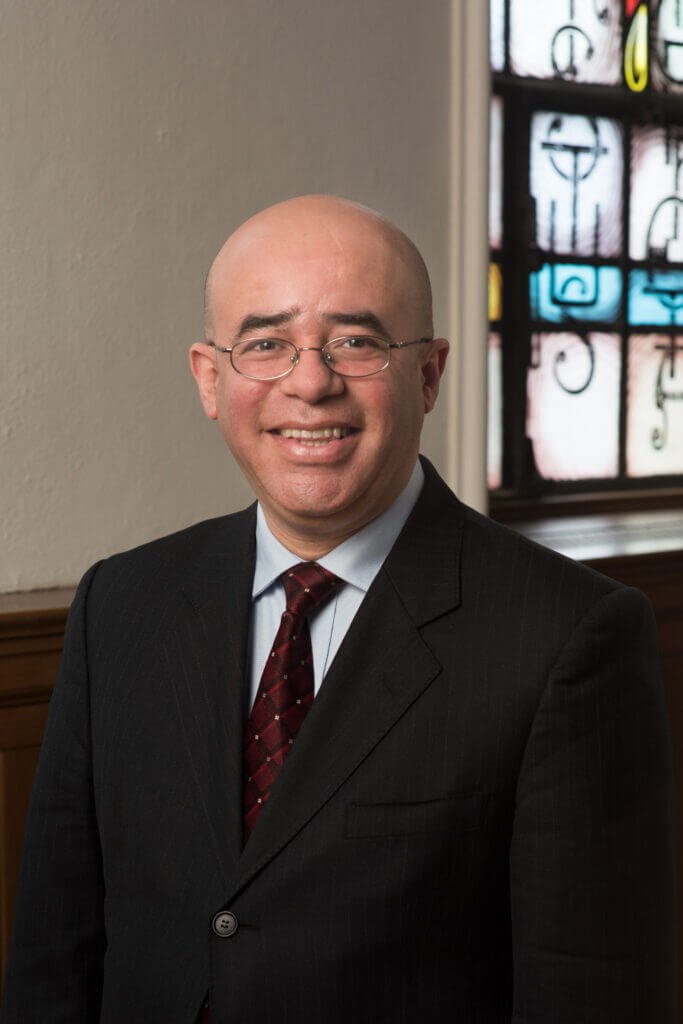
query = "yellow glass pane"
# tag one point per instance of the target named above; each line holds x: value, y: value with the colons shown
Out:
x: 495, y: 291
x: 635, y: 52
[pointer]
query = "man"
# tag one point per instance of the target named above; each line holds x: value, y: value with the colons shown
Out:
x: 472, y: 822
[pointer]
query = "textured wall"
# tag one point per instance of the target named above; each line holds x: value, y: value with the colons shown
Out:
x: 136, y: 135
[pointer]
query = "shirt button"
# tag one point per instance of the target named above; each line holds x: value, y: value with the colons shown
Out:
x: 224, y: 924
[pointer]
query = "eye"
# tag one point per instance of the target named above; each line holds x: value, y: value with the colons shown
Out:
x: 360, y: 343
x: 262, y: 346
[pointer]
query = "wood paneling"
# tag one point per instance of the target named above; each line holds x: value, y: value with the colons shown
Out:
x: 31, y: 635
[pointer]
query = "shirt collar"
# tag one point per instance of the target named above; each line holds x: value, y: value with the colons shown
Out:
x: 357, y: 560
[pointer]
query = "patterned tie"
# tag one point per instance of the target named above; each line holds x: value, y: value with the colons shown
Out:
x: 285, y: 692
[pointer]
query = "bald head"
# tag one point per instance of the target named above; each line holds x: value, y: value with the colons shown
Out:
x: 352, y: 232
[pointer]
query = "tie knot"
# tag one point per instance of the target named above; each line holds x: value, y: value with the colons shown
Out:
x: 307, y: 586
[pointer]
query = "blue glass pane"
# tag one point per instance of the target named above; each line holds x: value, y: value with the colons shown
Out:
x: 562, y: 292
x: 656, y: 297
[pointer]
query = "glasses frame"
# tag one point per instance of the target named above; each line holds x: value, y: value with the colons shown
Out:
x: 323, y: 351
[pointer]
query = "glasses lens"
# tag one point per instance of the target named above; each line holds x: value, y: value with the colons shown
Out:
x: 357, y: 356
x: 263, y: 358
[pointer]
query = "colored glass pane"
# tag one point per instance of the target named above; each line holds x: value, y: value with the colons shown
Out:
x: 636, y: 47
x: 495, y: 291
x: 496, y: 173
x: 576, y: 179
x: 497, y: 34
x: 562, y: 292
x: 656, y: 297
x: 657, y: 194
x: 667, y: 48
x: 573, y: 405
x: 577, y: 40
x: 654, y: 434
x: 494, y: 438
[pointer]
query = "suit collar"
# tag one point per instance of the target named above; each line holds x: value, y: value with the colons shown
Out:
x: 424, y: 564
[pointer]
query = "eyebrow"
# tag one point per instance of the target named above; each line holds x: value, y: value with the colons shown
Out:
x: 361, y: 318
x: 357, y: 318
x: 256, y: 322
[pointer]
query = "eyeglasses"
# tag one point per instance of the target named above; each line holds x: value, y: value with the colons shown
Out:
x: 358, y: 355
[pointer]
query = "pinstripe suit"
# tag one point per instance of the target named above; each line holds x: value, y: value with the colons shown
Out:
x: 474, y: 825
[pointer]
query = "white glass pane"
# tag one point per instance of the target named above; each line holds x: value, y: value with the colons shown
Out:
x: 654, y: 434
x: 577, y: 40
x: 576, y: 179
x: 495, y: 414
x: 496, y: 174
x: 497, y: 34
x: 667, y: 51
x: 656, y: 226
x: 573, y: 406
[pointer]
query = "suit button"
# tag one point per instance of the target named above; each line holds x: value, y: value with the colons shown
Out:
x: 224, y: 924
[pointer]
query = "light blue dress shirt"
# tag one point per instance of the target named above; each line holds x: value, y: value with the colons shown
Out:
x: 357, y: 561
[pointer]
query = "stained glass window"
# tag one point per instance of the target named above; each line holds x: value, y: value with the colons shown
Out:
x: 586, y: 236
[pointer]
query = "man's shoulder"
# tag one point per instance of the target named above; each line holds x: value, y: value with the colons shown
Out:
x: 495, y: 557
x: 161, y: 566
x: 508, y: 549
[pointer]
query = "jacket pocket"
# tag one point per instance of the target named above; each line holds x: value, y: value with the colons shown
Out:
x: 460, y: 813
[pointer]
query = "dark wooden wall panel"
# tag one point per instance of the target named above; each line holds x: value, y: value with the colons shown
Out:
x: 31, y: 636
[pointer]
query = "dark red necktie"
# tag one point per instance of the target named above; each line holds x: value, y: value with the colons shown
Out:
x: 285, y: 692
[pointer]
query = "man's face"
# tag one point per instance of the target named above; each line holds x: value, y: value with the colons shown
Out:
x: 317, y: 280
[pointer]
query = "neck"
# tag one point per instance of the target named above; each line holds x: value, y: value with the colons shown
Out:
x: 307, y: 546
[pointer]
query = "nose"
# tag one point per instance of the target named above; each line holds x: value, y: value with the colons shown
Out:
x: 311, y: 379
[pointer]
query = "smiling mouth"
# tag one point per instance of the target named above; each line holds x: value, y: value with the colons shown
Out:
x: 315, y: 437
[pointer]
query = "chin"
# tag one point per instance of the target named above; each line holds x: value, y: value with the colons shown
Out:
x: 316, y: 499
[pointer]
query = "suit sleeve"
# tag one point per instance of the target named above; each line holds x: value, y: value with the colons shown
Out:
x: 54, y: 967
x: 592, y: 866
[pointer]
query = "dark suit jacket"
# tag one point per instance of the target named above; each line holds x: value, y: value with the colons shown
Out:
x: 474, y: 824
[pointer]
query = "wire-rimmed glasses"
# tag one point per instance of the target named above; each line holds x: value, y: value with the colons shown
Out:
x: 357, y: 355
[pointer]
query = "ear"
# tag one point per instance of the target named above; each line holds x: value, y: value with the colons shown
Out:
x: 433, y: 365
x: 205, y: 372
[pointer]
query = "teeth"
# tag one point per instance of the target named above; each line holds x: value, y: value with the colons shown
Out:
x: 314, y: 435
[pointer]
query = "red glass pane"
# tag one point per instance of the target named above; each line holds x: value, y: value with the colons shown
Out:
x: 654, y: 434
x: 494, y: 438
x: 496, y: 174
x: 573, y: 405
x: 656, y: 223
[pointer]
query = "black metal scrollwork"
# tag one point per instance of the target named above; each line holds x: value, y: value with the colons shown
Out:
x: 574, y: 161
x: 571, y: 33
x: 669, y: 295
x: 561, y: 358
x: 574, y: 290
x: 660, y: 435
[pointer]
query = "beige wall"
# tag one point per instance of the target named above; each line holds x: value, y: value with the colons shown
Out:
x: 136, y: 135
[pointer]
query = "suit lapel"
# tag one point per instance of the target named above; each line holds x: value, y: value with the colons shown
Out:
x: 381, y: 668
x: 212, y: 641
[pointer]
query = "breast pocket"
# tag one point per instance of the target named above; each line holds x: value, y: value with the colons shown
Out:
x: 453, y: 814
